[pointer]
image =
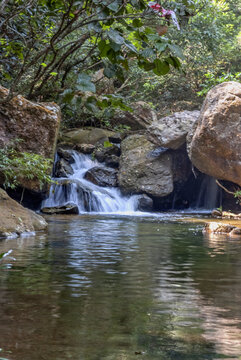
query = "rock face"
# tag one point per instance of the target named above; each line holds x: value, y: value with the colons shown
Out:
x: 141, y: 117
x: 15, y: 219
x: 37, y: 124
x: 143, y: 168
x: 102, y: 176
x: 215, y: 147
x: 171, y: 131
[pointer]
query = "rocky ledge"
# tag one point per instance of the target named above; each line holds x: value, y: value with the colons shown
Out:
x: 17, y: 219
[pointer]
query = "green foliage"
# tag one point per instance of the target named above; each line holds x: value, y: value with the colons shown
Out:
x: 51, y: 47
x: 16, y: 166
x: 212, y: 80
x: 237, y: 195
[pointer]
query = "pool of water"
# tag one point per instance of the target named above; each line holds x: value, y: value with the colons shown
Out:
x: 120, y: 288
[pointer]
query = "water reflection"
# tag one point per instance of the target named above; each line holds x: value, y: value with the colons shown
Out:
x: 115, y: 288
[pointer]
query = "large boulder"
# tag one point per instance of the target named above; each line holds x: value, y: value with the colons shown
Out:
x: 102, y: 176
x: 144, y: 169
x: 171, y: 131
x: 215, y: 148
x: 15, y: 219
x: 36, y: 124
x: 141, y: 117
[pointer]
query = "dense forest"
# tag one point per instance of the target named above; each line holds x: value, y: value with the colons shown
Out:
x: 93, y: 57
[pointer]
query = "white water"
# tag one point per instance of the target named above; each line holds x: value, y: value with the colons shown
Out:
x: 86, y: 195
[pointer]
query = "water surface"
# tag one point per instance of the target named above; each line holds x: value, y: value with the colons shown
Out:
x: 120, y: 288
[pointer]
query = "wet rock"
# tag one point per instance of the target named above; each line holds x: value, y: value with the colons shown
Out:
x: 85, y: 148
x: 218, y: 228
x: 117, y: 138
x: 171, y: 131
x: 216, y: 213
x: 102, y: 176
x: 69, y: 208
x: 144, y: 203
x: 36, y: 124
x: 15, y: 219
x: 112, y: 161
x: 62, y: 169
x: 102, y: 152
x: 66, y: 155
x: 215, y: 145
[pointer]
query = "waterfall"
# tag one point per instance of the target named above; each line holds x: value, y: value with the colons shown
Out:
x: 86, y: 195
x: 209, y: 194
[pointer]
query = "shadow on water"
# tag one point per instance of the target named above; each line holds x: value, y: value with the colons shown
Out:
x: 114, y: 288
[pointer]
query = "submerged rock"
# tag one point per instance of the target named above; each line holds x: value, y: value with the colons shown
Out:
x: 171, y: 131
x: 215, y: 147
x: 70, y: 208
x: 15, y: 219
x: 102, y: 176
x: 220, y: 228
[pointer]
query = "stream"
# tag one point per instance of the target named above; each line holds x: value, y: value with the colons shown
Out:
x: 111, y: 287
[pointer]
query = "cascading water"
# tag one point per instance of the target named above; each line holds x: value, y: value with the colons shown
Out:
x: 86, y: 195
x: 209, y: 194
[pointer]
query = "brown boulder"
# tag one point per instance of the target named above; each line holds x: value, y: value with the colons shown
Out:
x: 215, y: 147
x: 15, y: 219
x: 36, y: 124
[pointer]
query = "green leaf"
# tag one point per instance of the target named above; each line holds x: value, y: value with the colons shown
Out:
x: 43, y: 64
x: 131, y: 46
x: 161, y: 46
x: 176, y: 50
x: 107, y: 144
x: 114, y: 5
x: 110, y: 71
x: 137, y: 23
x: 104, y: 47
x: 67, y: 96
x: 53, y: 73
x: 161, y: 67
x: 115, y: 37
x: 84, y: 83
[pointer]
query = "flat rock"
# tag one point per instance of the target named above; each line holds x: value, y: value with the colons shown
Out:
x: 70, y: 208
